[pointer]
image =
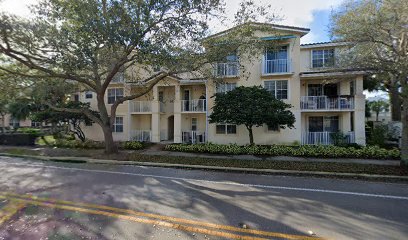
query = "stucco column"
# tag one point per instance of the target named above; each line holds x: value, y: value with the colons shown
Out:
x: 177, y: 115
x: 345, y: 122
x: 155, y: 116
x: 359, y: 114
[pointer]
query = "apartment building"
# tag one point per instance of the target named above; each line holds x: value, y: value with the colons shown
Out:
x: 324, y: 99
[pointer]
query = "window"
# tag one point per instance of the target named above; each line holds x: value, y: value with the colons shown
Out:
x: 323, y: 58
x: 278, y: 88
x: 118, y: 124
x: 273, y: 128
x: 324, y: 124
x: 225, y: 87
x: 119, y: 77
x: 15, y: 123
x: 88, y: 95
x: 114, y: 94
x: 226, y: 129
x: 193, y: 124
x: 76, y: 97
x: 276, y: 60
x: 161, y: 96
x: 35, y: 124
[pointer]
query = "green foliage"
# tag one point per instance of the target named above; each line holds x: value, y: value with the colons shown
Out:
x: 320, y: 151
x: 88, y: 144
x: 377, y: 135
x: 339, y: 139
x: 251, y: 106
x: 132, y: 145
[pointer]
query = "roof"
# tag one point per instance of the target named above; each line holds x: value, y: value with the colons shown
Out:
x: 323, y: 44
x: 302, y: 30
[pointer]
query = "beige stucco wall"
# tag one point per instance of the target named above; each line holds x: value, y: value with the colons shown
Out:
x: 250, y: 75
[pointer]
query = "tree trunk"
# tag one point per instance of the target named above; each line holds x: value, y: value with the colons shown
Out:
x: 106, y: 125
x: 3, y: 123
x: 376, y: 116
x: 110, y: 146
x: 395, y: 101
x: 251, y: 135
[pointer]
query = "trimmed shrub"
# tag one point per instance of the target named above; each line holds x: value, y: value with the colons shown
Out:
x: 132, y: 145
x: 320, y: 151
x: 18, y: 139
x: 88, y: 144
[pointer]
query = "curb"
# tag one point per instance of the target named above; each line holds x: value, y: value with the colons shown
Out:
x: 211, y: 168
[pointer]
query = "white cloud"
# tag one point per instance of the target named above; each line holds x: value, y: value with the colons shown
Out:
x: 295, y: 12
x: 18, y: 7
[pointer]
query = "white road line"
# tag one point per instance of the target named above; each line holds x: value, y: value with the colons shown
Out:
x: 218, y: 182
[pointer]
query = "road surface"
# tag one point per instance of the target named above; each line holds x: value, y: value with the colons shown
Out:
x: 49, y: 200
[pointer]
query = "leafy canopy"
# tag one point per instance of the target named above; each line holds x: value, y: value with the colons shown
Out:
x: 251, y: 106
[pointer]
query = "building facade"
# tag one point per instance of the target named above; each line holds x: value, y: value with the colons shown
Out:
x: 324, y: 99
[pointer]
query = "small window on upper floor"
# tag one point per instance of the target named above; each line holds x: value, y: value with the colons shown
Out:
x: 229, y: 67
x: 225, y: 87
x: 88, y: 95
x: 114, y: 94
x: 278, y: 88
x: 273, y: 128
x: 119, y: 77
x: 323, y: 58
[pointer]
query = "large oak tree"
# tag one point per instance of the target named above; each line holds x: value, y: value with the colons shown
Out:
x: 378, y: 32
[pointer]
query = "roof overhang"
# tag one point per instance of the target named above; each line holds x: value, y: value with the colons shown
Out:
x: 323, y: 45
x: 331, y: 74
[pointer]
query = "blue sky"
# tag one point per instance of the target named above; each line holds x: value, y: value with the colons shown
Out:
x: 320, y: 25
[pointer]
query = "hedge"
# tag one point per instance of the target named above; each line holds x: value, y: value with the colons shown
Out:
x: 18, y: 139
x: 320, y: 151
x: 88, y: 144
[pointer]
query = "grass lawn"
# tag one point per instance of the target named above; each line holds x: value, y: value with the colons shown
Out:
x: 257, y: 164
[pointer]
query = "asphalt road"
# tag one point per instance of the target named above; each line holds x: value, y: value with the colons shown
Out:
x: 45, y: 200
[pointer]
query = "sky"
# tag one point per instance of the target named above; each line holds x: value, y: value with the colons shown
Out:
x: 313, y: 14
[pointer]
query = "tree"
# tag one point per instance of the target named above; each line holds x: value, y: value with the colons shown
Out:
x: 43, y: 113
x: 378, y: 32
x: 92, y: 42
x: 251, y: 106
x: 379, y: 106
x: 367, y: 109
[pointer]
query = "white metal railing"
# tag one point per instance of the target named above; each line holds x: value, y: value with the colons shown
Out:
x: 326, y: 103
x: 141, y: 135
x: 276, y: 66
x: 193, y: 137
x: 229, y: 69
x: 140, y: 106
x: 195, y: 105
x: 324, y: 138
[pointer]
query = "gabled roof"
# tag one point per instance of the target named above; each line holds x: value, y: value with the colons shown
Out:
x: 323, y: 44
x: 301, y: 30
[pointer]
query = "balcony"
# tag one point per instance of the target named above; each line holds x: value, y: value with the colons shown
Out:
x: 141, y: 135
x: 193, y: 137
x: 195, y: 105
x: 326, y: 103
x: 229, y: 69
x: 278, y: 66
x: 324, y: 138
x: 140, y: 106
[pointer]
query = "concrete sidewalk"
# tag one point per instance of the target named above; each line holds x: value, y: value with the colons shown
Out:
x: 156, y: 151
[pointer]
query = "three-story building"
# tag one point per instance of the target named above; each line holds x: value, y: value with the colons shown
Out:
x: 324, y: 99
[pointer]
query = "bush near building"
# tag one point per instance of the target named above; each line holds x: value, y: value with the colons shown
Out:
x: 320, y: 151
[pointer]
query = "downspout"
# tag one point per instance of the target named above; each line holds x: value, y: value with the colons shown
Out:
x: 206, y: 110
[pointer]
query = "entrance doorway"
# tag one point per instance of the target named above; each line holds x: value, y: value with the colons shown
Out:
x: 170, y: 128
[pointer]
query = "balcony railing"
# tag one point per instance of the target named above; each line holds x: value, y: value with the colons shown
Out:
x: 325, y: 138
x: 195, y: 105
x: 193, y: 137
x: 276, y: 66
x: 141, y: 135
x: 140, y: 106
x: 229, y: 69
x: 326, y: 103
